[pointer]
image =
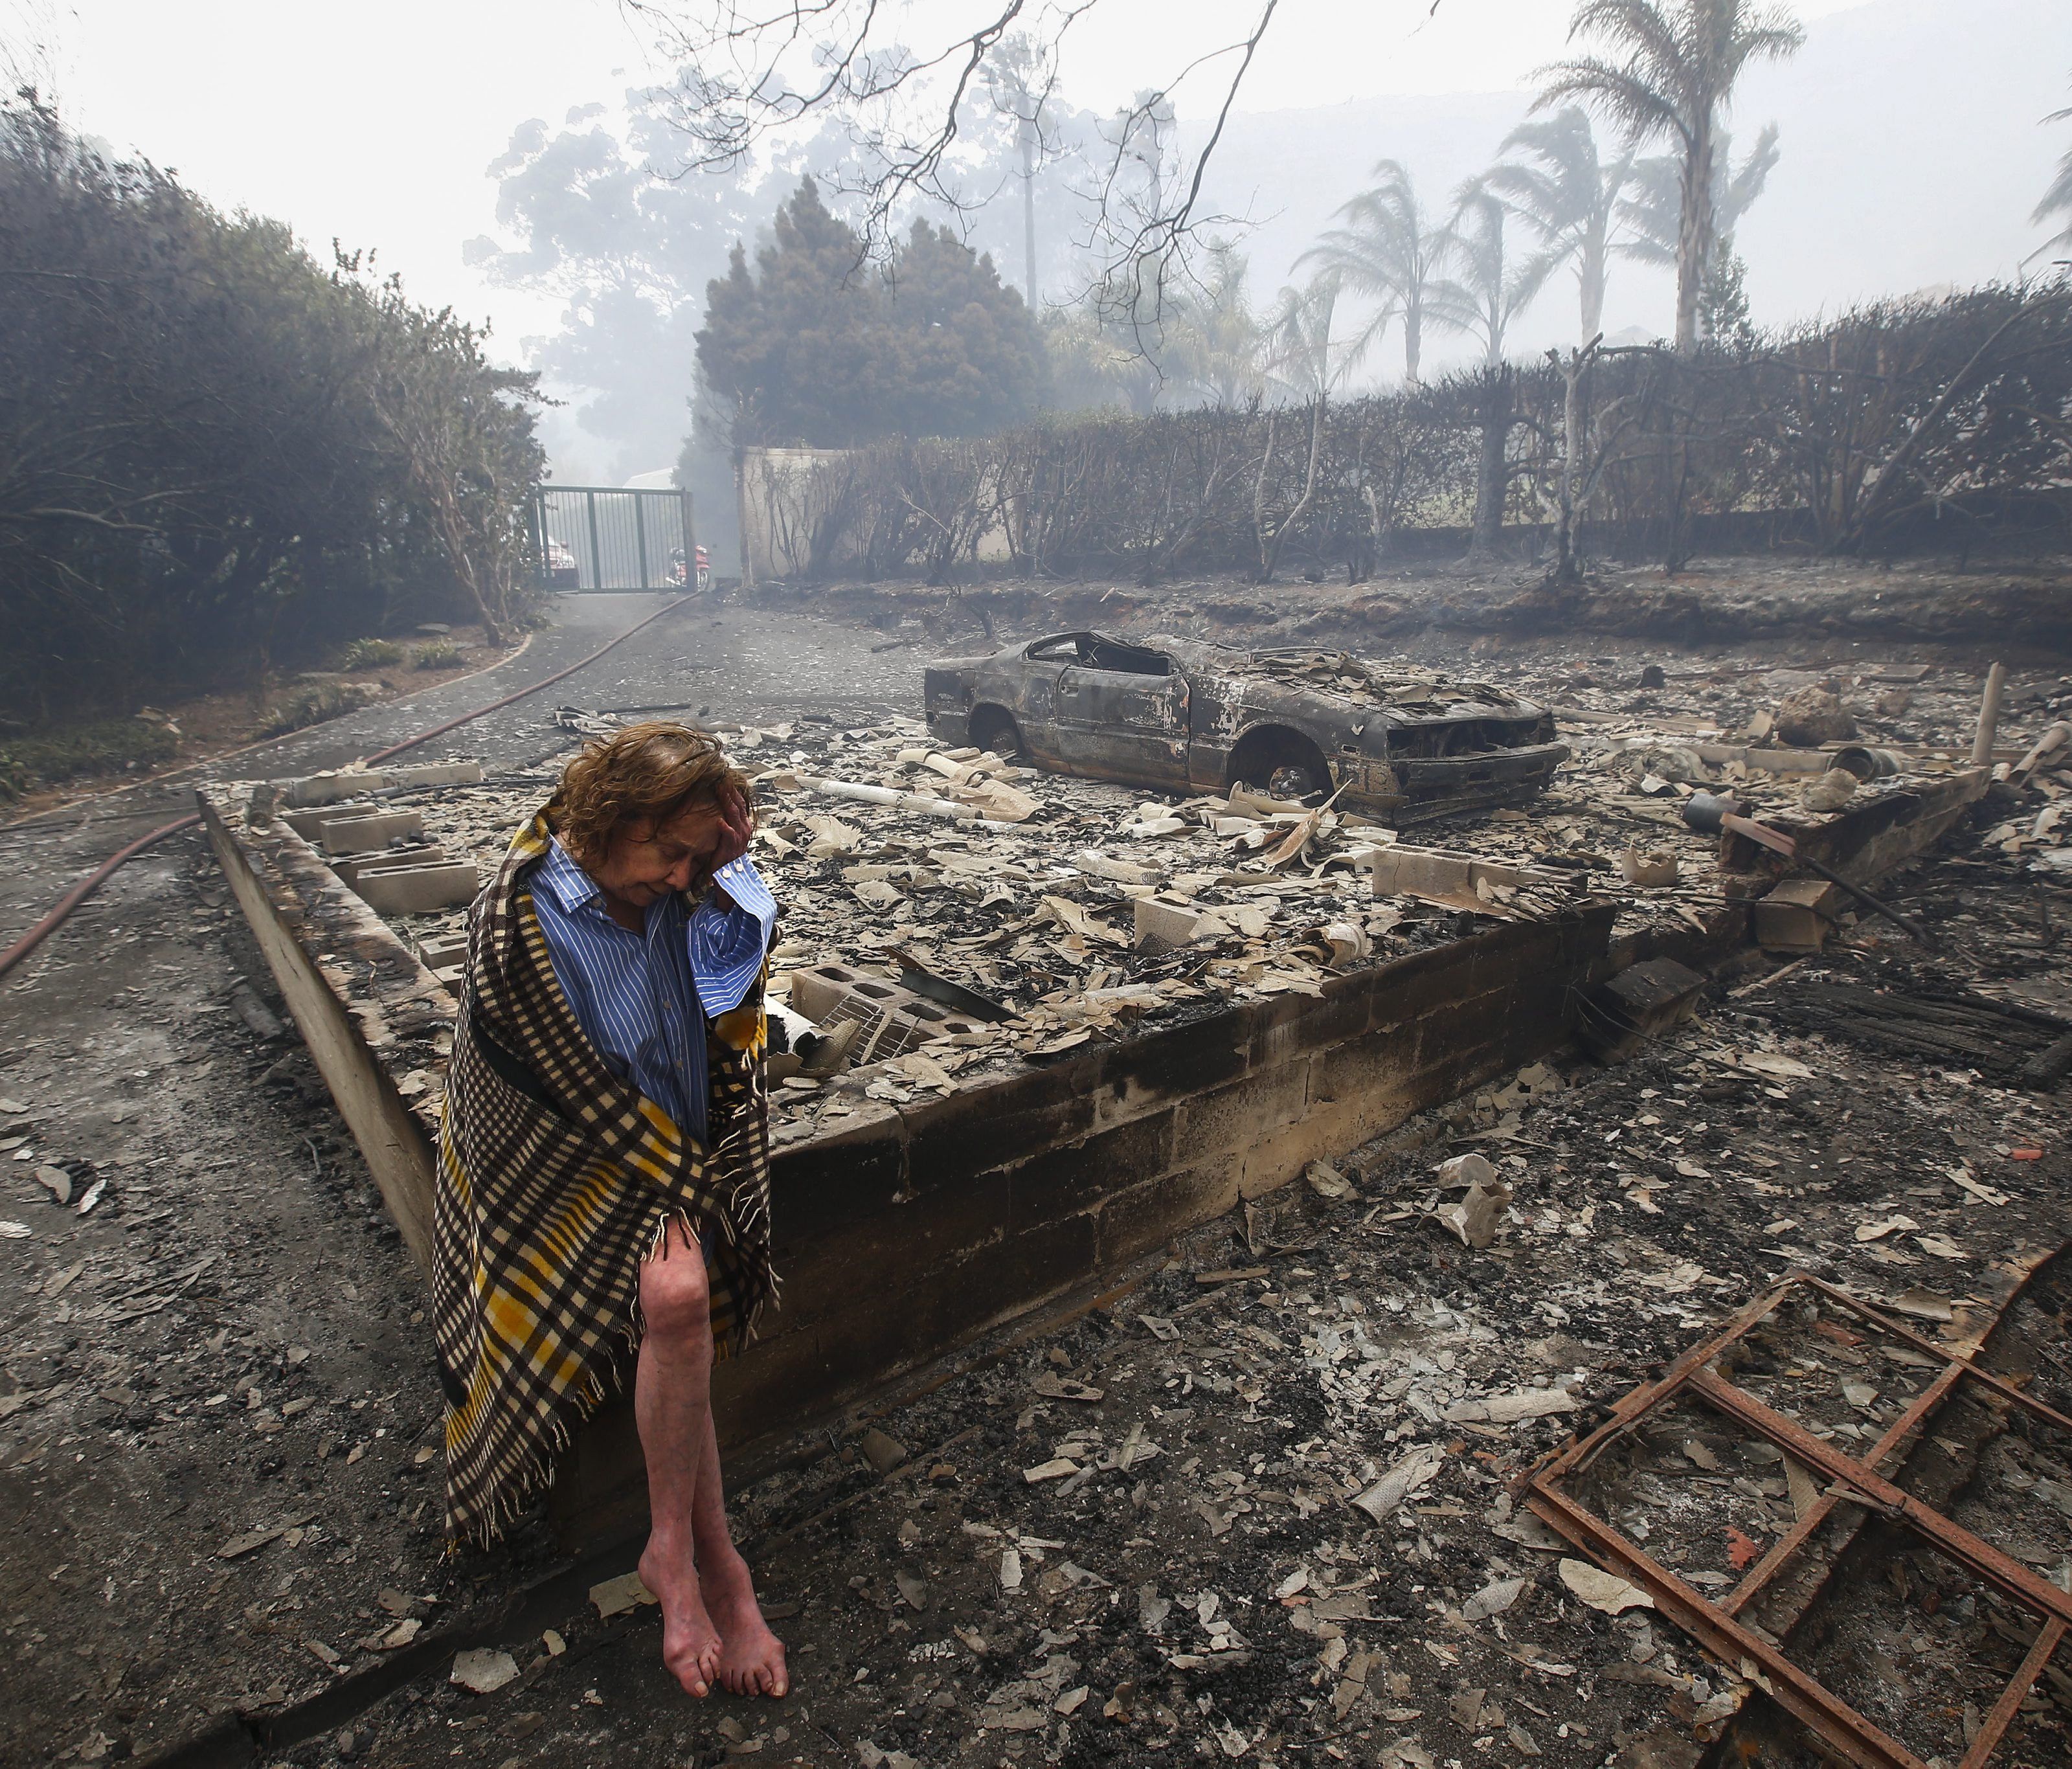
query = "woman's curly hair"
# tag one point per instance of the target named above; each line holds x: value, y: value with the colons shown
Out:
x: 647, y: 773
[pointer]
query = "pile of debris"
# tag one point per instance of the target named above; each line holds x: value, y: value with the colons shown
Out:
x: 968, y: 914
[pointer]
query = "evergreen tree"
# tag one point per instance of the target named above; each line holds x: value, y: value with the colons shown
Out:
x: 800, y: 349
x: 970, y: 357
x: 817, y: 348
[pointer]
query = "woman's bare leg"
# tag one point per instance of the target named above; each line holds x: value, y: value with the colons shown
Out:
x: 672, y: 1406
x: 751, y: 1658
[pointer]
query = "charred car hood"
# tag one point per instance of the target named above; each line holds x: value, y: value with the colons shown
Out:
x: 1354, y: 682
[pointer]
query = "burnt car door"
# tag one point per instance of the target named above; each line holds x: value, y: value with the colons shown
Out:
x: 1122, y: 715
x: 1034, y: 700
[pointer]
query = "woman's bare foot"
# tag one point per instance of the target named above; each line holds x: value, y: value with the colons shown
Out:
x: 691, y: 1645
x: 751, y: 1658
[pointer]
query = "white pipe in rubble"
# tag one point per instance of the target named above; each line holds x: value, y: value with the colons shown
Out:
x: 899, y: 800
x: 1989, y: 717
x: 2054, y: 739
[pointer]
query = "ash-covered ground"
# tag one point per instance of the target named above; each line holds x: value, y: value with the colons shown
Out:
x: 224, y: 1345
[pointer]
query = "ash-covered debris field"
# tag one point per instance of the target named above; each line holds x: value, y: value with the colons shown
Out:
x: 1069, y: 910
x: 1263, y: 1500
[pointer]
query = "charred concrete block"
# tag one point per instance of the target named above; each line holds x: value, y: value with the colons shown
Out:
x: 350, y: 870
x: 1796, y: 915
x: 895, y: 1018
x: 1292, y: 1025
x: 820, y: 1187
x: 1141, y: 1075
x: 1329, y: 1129
x: 984, y: 1128
x: 1473, y: 1023
x: 1620, y: 1017
x: 1406, y: 988
x: 417, y: 890
x: 362, y: 832
x: 891, y: 1253
x: 335, y: 787
x: 1161, y: 926
x: 1450, y: 879
x: 1151, y: 1213
x: 990, y: 1285
x: 434, y: 774
x: 1230, y: 1119
x: 439, y: 950
x: 1082, y: 1176
x: 759, y: 1394
x: 309, y: 825
x: 1346, y: 1072
x: 339, y: 784
x: 445, y: 955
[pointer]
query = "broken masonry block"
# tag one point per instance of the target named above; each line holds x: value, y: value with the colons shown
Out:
x: 892, y: 1019
x: 417, y: 890
x: 434, y: 774
x: 436, y: 950
x: 339, y: 784
x: 265, y: 800
x: 1162, y: 926
x: 445, y: 955
x: 1796, y: 915
x: 308, y: 824
x: 365, y: 833
x: 1450, y: 880
x: 1618, y: 1018
x: 1127, y: 872
x: 349, y: 869
x: 335, y: 787
x: 1475, y: 1215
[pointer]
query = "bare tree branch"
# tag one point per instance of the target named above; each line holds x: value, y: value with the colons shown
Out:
x: 755, y: 74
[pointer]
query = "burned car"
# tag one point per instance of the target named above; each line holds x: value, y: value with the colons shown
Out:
x: 1175, y: 716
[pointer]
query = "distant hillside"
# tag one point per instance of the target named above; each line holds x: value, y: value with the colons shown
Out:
x: 1912, y: 156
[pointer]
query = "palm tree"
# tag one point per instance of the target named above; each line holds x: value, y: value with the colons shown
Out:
x: 1667, y: 70
x: 1216, y: 341
x: 1301, y: 363
x: 1304, y: 361
x: 1386, y: 250
x: 2056, y: 202
x: 1569, y: 197
x: 1653, y: 212
x: 1489, y: 291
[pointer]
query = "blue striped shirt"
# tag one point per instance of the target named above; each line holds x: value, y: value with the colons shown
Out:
x: 642, y: 998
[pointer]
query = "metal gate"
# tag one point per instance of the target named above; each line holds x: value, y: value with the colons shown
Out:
x: 610, y: 537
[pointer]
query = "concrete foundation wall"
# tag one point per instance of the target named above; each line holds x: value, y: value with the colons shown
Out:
x: 903, y: 1237
x: 359, y: 997
x: 905, y: 1232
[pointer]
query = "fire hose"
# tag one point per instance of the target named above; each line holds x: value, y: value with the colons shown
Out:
x: 62, y: 911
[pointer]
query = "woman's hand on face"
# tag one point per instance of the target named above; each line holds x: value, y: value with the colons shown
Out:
x: 737, y: 826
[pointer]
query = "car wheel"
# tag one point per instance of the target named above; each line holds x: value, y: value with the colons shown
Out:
x: 1295, y: 781
x: 990, y: 728
x: 1287, y: 765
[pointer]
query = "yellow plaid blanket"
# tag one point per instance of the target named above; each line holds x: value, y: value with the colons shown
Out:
x: 556, y: 1180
